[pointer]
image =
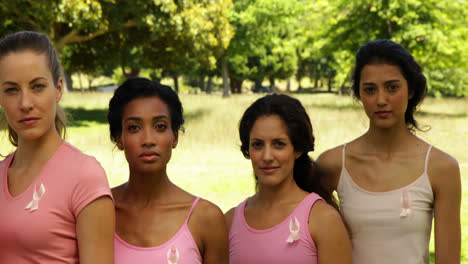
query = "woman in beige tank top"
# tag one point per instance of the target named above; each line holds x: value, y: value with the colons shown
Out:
x: 390, y: 182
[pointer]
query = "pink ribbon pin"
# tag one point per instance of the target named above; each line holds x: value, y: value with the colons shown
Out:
x: 406, y: 204
x: 37, y: 195
x: 294, y: 228
x: 172, y: 255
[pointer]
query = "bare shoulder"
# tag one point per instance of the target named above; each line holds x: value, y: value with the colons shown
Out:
x: 331, y: 158
x: 117, y: 190
x: 324, y: 215
x: 207, y: 213
x: 330, y: 162
x: 229, y: 216
x: 442, y: 169
x: 325, y: 221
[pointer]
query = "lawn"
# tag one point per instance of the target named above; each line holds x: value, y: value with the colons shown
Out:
x: 207, y: 162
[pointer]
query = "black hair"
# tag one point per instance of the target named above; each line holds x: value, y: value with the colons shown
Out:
x: 138, y: 88
x: 41, y: 44
x: 387, y: 51
x: 307, y: 175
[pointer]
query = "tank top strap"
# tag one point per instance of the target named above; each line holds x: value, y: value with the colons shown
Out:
x: 343, y: 155
x: 303, y: 209
x: 427, y: 158
x: 191, y: 209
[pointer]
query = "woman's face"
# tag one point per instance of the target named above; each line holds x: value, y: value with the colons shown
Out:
x: 147, y: 137
x: 271, y: 151
x: 28, y: 94
x: 384, y: 93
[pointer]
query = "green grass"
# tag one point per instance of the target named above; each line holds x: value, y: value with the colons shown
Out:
x: 207, y: 162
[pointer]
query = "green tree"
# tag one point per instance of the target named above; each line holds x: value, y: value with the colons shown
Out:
x: 434, y: 31
x: 264, y: 45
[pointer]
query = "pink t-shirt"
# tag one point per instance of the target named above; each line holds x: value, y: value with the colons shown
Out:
x: 180, y: 249
x: 289, y: 242
x: 39, y: 225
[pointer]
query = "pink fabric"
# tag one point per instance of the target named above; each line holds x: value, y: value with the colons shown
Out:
x: 180, y: 249
x: 41, y: 227
x: 285, y: 243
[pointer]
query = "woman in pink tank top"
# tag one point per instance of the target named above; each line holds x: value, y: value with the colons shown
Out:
x: 390, y: 182
x: 156, y: 221
x: 291, y: 218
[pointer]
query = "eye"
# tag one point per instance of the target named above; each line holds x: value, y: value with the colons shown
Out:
x: 133, y: 128
x: 256, y: 144
x: 393, y: 87
x: 279, y: 144
x: 11, y: 90
x: 38, y: 86
x: 368, y: 89
x: 161, y: 127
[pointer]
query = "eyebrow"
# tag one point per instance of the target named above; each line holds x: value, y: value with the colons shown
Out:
x: 386, y: 82
x: 32, y: 81
x: 132, y: 118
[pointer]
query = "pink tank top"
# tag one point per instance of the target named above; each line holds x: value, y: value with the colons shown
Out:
x: 289, y: 242
x: 180, y: 249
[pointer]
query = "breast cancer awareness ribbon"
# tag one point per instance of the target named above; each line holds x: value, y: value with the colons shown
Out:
x: 405, y: 204
x: 37, y: 195
x: 172, y: 255
x: 294, y: 228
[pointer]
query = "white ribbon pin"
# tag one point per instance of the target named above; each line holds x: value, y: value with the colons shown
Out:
x: 172, y: 255
x: 37, y: 195
x: 294, y: 227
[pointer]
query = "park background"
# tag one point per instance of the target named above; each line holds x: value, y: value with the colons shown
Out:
x: 221, y: 55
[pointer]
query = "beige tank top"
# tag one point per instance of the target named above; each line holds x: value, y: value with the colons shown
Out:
x: 388, y: 227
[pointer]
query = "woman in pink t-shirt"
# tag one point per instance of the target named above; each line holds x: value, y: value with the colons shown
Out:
x: 292, y: 216
x: 55, y: 201
x: 158, y: 222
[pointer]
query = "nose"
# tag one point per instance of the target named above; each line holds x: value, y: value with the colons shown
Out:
x: 381, y: 97
x: 267, y: 154
x: 26, y: 101
x: 148, y: 137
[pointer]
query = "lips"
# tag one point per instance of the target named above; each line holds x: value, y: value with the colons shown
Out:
x: 149, y: 156
x: 28, y: 121
x: 383, y: 113
x: 269, y: 169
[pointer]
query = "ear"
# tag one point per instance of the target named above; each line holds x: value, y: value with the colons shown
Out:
x: 297, y: 154
x: 118, y: 141
x: 176, y: 139
x: 59, y: 87
x: 410, y: 94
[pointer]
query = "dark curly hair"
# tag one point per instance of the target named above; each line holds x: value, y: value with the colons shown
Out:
x: 307, y: 175
x: 138, y: 88
x: 387, y: 51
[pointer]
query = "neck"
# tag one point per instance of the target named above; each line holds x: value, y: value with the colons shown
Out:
x: 30, y: 153
x: 388, y: 140
x: 143, y: 187
x: 269, y: 195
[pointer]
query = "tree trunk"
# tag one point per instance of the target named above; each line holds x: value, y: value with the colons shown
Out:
x: 134, y: 72
x: 209, y: 85
x: 258, y: 85
x: 224, y: 68
x: 272, y: 84
x: 330, y: 85
x: 81, y: 83
x: 288, y: 85
x: 236, y: 85
x: 68, y: 85
x: 176, y: 82
x: 201, y: 83
x: 316, y: 83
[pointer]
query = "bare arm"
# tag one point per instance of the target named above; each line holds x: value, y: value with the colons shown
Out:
x: 214, y: 234
x: 95, y: 231
x: 446, y: 184
x: 229, y: 216
x: 329, y: 234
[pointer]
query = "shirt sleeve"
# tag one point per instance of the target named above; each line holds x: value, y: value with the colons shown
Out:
x: 91, y: 183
